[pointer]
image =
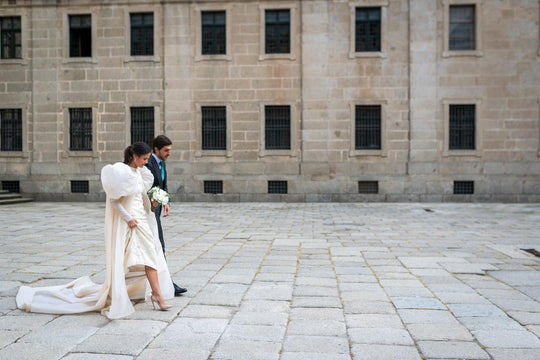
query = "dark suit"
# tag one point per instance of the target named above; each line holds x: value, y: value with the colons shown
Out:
x: 154, y: 168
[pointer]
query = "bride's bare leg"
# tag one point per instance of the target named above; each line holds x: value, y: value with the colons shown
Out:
x: 152, y: 276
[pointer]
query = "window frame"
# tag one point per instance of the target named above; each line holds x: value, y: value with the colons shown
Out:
x: 293, y: 31
x: 477, y: 152
x: 24, y: 136
x: 293, y: 129
x: 214, y: 31
x: 156, y: 57
x: 20, y: 113
x: 197, y: 11
x: 72, y: 134
x: 24, y: 35
x: 2, y: 18
x: 477, y: 52
x: 278, y: 24
x: 66, y: 36
x: 157, y: 118
x: 383, y: 151
x: 67, y: 152
x: 152, y: 110
x: 383, y: 53
x: 228, y: 130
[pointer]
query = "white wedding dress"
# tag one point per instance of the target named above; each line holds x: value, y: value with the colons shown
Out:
x: 127, y: 252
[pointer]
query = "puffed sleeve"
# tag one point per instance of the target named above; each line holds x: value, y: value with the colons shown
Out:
x: 147, y: 176
x: 118, y: 180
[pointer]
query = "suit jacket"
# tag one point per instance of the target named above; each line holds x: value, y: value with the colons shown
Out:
x: 153, y: 165
x: 154, y: 168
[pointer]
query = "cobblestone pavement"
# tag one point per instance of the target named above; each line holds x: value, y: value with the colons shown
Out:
x: 290, y: 282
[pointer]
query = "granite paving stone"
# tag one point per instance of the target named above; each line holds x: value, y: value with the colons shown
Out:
x: 513, y: 339
x: 452, y: 350
x: 316, y: 327
x: 290, y: 281
x: 246, y: 350
x: 384, y: 352
x: 514, y: 354
x: 317, y: 344
x: 89, y: 356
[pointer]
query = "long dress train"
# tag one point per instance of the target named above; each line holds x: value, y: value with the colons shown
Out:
x: 127, y: 252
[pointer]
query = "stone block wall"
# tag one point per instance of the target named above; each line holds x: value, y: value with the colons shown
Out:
x: 414, y: 78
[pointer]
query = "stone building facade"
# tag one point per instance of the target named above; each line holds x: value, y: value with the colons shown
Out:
x: 438, y: 100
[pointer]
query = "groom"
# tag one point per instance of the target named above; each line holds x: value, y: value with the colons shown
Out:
x: 156, y: 163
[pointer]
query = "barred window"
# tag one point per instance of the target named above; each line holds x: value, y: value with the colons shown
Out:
x: 463, y: 187
x: 80, y: 129
x: 213, y: 187
x: 277, y: 187
x: 80, y: 35
x: 11, y: 186
x: 213, y: 33
x: 368, y: 29
x: 368, y: 187
x: 368, y: 127
x: 462, y: 127
x: 142, y: 125
x: 214, y: 128
x: 10, y: 28
x: 11, y: 129
x: 462, y: 24
x: 79, y: 186
x: 142, y: 34
x: 277, y: 127
x: 278, y: 31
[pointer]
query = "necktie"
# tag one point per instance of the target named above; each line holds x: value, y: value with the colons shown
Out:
x: 162, y: 166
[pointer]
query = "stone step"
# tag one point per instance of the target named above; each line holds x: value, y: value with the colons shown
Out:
x: 18, y: 200
x: 7, y: 198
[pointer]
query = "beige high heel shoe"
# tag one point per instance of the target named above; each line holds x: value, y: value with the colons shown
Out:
x: 164, y: 307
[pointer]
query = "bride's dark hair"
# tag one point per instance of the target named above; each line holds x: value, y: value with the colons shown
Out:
x: 138, y: 148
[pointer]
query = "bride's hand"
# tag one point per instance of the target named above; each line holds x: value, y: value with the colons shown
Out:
x: 132, y: 223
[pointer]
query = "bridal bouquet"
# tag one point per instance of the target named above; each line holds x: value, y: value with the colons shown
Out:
x: 161, y: 197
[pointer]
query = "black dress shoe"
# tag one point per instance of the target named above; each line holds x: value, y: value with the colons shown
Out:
x: 178, y: 290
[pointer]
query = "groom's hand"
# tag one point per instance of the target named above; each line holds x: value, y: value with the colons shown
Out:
x: 166, y: 210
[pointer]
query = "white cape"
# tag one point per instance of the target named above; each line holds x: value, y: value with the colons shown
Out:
x: 122, y: 284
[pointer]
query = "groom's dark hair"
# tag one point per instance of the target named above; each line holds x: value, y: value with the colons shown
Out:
x: 161, y: 141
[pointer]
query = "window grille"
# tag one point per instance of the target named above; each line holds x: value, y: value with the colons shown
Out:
x: 462, y: 24
x: 79, y: 186
x: 214, y: 128
x: 80, y: 35
x: 278, y: 31
x: 368, y: 127
x: 463, y: 187
x: 277, y: 187
x: 213, y: 187
x: 11, y: 186
x: 368, y: 187
x: 461, y: 127
x: 277, y: 127
x: 368, y: 29
x: 142, y: 125
x: 213, y: 33
x: 11, y: 129
x: 142, y: 34
x: 80, y: 129
x: 10, y: 28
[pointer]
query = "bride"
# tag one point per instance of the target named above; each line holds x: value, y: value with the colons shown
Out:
x: 133, y: 252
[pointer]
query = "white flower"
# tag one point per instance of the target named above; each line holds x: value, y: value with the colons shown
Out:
x: 159, y: 195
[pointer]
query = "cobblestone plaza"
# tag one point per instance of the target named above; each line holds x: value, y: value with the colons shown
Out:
x: 278, y: 281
